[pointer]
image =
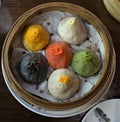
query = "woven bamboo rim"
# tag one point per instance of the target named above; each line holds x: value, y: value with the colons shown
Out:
x: 113, y: 7
x: 108, y: 67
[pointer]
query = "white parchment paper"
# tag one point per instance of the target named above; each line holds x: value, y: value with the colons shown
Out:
x: 50, y: 21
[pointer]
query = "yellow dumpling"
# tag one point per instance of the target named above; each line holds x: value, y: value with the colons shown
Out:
x: 35, y: 38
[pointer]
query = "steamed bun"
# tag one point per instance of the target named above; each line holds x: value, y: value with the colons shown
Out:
x: 35, y: 38
x: 72, y: 30
x: 85, y: 63
x: 33, y: 67
x: 63, y: 83
x: 59, y: 54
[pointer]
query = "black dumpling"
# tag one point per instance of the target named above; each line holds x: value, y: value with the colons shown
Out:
x: 33, y: 67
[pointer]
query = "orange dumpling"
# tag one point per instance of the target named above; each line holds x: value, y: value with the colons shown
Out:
x: 59, y: 54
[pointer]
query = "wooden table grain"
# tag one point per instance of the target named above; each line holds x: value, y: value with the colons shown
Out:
x: 10, y: 109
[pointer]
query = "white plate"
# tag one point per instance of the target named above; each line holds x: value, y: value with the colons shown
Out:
x: 110, y: 107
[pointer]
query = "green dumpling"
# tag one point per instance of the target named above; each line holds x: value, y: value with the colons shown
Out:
x: 85, y: 63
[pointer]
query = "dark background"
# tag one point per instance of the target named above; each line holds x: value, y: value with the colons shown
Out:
x: 10, y: 109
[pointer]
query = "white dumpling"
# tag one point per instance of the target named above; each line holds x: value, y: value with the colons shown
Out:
x: 63, y: 83
x: 72, y: 30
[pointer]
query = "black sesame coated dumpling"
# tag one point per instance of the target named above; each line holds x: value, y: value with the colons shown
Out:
x: 33, y: 67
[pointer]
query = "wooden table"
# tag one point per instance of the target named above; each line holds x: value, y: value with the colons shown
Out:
x: 10, y: 109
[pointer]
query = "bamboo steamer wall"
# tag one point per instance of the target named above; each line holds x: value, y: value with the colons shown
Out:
x: 108, y: 68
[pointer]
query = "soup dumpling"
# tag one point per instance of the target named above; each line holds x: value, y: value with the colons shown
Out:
x: 72, y: 30
x: 63, y: 83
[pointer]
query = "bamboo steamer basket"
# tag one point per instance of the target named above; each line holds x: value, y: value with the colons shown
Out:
x: 113, y: 7
x: 107, y: 72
